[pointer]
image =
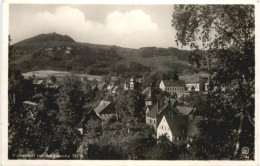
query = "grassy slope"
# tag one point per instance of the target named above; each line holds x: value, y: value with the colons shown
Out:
x: 38, y: 43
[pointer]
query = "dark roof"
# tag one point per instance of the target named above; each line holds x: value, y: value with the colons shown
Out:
x: 192, y: 125
x: 177, y: 124
x: 184, y: 110
x: 86, y: 116
x: 182, y: 124
x: 155, y: 111
x: 174, y: 83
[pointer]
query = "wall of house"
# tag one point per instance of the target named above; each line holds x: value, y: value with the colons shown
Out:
x: 163, y: 129
x: 162, y: 86
x: 151, y: 121
x: 148, y: 103
x: 175, y: 89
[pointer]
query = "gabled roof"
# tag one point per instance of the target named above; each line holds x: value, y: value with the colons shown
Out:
x: 114, y: 88
x: 86, y: 116
x: 177, y: 124
x: 182, y: 124
x: 38, y: 82
x: 102, y: 105
x: 93, y: 87
x: 149, y: 96
x: 155, y: 111
x: 184, y: 110
x: 101, y: 85
x: 146, y: 90
x: 192, y: 125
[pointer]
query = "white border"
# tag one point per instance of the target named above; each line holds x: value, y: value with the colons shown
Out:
x: 4, y: 88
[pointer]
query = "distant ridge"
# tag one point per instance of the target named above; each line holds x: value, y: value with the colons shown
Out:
x: 45, y: 38
x: 53, y: 51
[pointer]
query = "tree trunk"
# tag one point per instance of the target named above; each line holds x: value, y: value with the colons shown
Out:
x: 238, y: 139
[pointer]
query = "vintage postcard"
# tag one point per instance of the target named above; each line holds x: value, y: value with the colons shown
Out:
x: 113, y: 83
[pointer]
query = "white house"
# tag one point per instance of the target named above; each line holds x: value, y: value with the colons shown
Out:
x: 178, y: 128
x: 172, y: 86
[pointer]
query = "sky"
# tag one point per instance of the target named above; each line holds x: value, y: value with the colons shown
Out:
x: 131, y: 26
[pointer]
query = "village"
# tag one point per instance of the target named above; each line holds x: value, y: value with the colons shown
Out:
x: 130, y: 82
x: 169, y: 114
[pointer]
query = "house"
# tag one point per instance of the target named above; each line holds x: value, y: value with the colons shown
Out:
x: 130, y: 84
x: 172, y: 87
x: 115, y: 90
x: 110, y: 85
x: 102, y: 86
x: 68, y: 48
x: 48, y: 49
x: 155, y: 112
x: 184, y: 110
x: 105, y: 110
x: 31, y: 107
x: 150, y: 98
x: 202, y: 83
x: 178, y: 128
x: 89, y: 121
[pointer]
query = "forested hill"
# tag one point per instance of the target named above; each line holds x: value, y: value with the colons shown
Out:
x: 60, y: 52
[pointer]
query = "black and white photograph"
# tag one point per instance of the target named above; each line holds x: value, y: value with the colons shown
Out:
x: 149, y: 82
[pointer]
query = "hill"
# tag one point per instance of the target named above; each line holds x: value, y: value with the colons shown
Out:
x: 60, y: 52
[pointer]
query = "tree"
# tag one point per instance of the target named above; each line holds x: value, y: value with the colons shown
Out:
x: 70, y: 100
x: 53, y: 78
x: 130, y: 106
x: 163, y: 150
x: 226, y: 34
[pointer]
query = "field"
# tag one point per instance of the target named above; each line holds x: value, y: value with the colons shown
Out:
x: 42, y: 74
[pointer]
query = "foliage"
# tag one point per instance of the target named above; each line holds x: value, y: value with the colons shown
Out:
x: 130, y: 106
x: 70, y: 100
x: 163, y: 150
x: 227, y: 34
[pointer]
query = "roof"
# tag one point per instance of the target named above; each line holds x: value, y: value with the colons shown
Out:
x: 132, y: 79
x: 174, y: 83
x: 38, y: 82
x: 93, y: 87
x: 182, y: 124
x: 184, y: 110
x: 146, y: 90
x: 149, y: 96
x: 115, y: 88
x: 154, y: 111
x: 102, y: 105
x: 101, y: 85
x: 30, y: 103
x: 177, y: 124
x: 112, y: 83
x: 192, y: 125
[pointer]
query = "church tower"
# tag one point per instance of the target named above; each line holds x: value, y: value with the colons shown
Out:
x: 132, y: 83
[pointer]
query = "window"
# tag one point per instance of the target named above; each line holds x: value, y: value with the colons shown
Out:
x: 150, y: 120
